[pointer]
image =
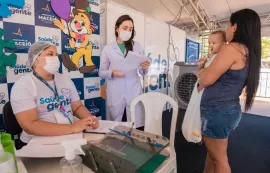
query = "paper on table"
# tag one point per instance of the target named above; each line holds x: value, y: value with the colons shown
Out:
x: 52, y: 140
x: 46, y: 147
x: 105, y: 125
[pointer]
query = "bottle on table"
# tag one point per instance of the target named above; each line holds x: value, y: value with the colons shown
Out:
x: 72, y: 163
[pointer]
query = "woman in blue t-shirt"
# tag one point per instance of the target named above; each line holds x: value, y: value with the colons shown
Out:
x: 236, y: 66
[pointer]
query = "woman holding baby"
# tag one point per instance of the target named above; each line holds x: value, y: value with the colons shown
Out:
x: 236, y: 66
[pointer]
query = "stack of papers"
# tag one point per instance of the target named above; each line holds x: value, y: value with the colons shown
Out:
x: 46, y: 147
x: 104, y: 126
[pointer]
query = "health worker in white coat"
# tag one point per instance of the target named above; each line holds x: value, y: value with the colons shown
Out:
x: 122, y: 88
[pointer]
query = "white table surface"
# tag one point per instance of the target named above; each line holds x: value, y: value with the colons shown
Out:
x: 51, y: 165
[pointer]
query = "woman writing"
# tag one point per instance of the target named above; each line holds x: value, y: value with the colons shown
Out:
x: 44, y: 102
x: 122, y: 88
x: 236, y: 66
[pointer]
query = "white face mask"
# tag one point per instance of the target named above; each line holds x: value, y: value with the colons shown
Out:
x: 52, y: 64
x: 125, y: 35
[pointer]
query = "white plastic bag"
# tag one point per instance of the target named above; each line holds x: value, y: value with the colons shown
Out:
x: 191, y: 127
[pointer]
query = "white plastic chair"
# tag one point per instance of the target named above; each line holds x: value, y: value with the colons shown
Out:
x: 154, y: 103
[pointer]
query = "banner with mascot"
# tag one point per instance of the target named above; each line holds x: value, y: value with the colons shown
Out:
x: 76, y: 23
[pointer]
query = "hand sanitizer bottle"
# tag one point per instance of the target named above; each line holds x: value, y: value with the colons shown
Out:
x: 7, y: 164
x: 72, y: 163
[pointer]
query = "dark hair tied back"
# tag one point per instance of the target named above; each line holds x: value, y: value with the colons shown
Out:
x: 128, y: 44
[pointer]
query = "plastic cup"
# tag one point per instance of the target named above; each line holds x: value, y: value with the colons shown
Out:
x: 8, y: 146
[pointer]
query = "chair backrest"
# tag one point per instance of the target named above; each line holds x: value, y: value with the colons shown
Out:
x: 154, y: 103
x: 11, y: 124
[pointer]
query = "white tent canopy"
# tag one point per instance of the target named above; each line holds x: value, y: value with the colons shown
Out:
x: 171, y: 11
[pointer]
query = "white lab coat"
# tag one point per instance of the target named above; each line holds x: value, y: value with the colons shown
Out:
x: 121, y: 91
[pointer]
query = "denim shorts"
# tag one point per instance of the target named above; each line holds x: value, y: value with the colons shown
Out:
x: 218, y: 123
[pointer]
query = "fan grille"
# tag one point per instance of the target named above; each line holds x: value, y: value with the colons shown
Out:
x: 185, y: 85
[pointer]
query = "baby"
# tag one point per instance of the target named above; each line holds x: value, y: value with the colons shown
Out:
x: 216, y: 40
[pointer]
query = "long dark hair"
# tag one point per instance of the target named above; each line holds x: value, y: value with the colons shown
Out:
x: 130, y: 42
x: 248, y: 33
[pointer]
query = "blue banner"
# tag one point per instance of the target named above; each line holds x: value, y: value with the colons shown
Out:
x: 192, y: 51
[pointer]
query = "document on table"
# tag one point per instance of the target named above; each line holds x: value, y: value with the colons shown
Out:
x: 104, y: 126
x: 132, y: 61
x: 46, y: 147
x: 53, y: 140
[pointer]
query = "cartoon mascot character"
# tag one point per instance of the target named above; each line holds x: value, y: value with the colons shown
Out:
x: 79, y: 31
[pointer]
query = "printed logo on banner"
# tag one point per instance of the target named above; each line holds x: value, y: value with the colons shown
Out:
x: 54, y: 39
x: 3, y: 96
x: 95, y: 5
x: 94, y: 109
x: 91, y: 87
x: 51, y: 35
x: 26, y: 13
x: 93, y: 2
x: 158, y: 65
x: 65, y: 44
x: 95, y: 44
x: 95, y: 72
x: 22, y: 35
x: 95, y: 23
x: 94, y: 106
x: 79, y: 86
x: 21, y: 68
x: 155, y: 82
x: 156, y: 77
x: 44, y: 15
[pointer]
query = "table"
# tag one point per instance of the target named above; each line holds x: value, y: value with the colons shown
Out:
x: 51, y: 165
x: 21, y: 166
x: 45, y: 165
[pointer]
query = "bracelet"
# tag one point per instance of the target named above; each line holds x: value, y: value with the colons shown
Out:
x: 77, y: 109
